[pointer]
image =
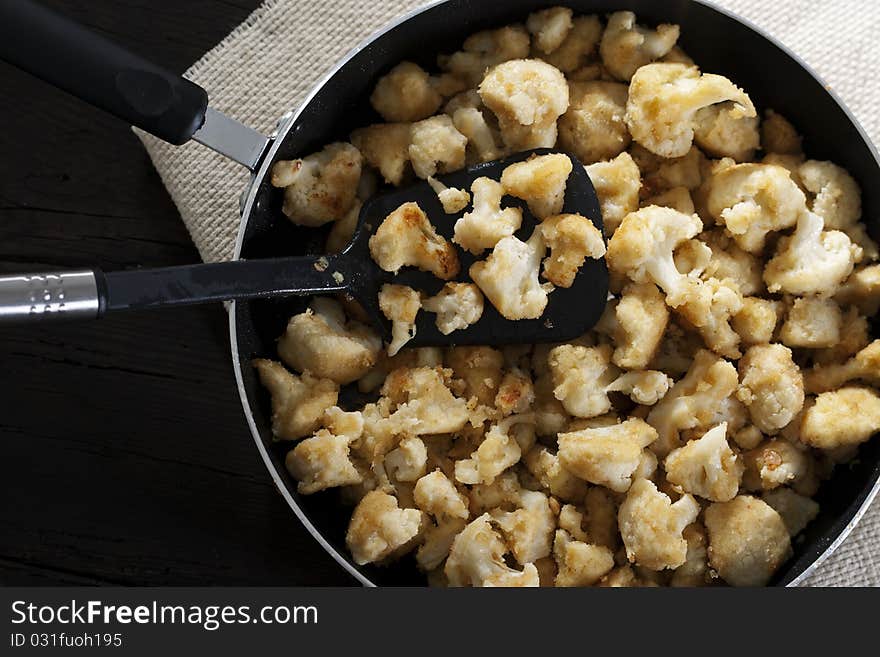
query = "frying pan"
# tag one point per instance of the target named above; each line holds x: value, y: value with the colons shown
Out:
x: 719, y: 42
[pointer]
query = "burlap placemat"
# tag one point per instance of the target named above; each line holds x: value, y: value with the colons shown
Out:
x: 294, y: 43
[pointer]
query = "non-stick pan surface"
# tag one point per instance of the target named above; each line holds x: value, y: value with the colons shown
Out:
x: 719, y: 43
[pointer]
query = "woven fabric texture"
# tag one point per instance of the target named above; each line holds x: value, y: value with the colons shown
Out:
x: 295, y: 42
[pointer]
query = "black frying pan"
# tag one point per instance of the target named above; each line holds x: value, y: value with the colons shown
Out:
x: 717, y: 40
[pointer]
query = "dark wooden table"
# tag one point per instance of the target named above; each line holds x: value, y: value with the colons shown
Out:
x: 125, y: 456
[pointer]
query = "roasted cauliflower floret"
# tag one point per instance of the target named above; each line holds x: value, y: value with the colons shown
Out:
x: 756, y: 321
x: 797, y: 511
x: 706, y: 467
x: 579, y: 563
x: 645, y: 387
x: 722, y: 131
x: 772, y: 386
x: 812, y: 322
x: 747, y: 541
x: 752, y: 200
x: 549, y: 28
x: 509, y: 277
x: 547, y: 468
x: 527, y: 96
x: 606, y: 456
x: 379, y: 527
x: 651, y: 526
x: 482, y: 145
x: 693, y: 401
x: 863, y: 366
x: 320, y: 187
x: 487, y: 224
x: 435, y: 494
x: 457, y: 305
x: 582, y: 376
x: 477, y: 559
x: 593, y: 128
x: 452, y: 199
x: 572, y: 239
x: 529, y: 529
x: 710, y: 308
x: 321, y: 462
x: 385, y: 146
x: 774, y: 463
x: 834, y: 195
x: 481, y: 370
x: 730, y: 261
x: 617, y: 183
x: 626, y: 46
x: 641, y: 322
x: 423, y: 401
x: 515, y: 393
x: 298, y: 402
x: 642, y: 249
x: 779, y: 136
x: 408, y: 461
x: 400, y: 304
x: 405, y: 94
x: 539, y: 181
x: 320, y: 341
x: 848, y: 416
x: 436, y: 543
x: 664, y: 100
x: 579, y: 44
x: 811, y: 261
x: 498, y: 451
x: 862, y: 290
x: 407, y: 238
x: 435, y: 146
x: 485, y: 49
x: 677, y: 198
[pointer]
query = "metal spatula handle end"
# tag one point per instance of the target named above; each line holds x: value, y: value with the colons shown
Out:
x: 49, y: 296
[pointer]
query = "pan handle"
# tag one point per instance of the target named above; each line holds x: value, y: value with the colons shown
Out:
x: 71, y: 57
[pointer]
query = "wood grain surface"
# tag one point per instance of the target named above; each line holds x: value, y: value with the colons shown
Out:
x: 126, y: 459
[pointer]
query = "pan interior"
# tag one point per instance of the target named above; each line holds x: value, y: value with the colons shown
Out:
x: 718, y: 42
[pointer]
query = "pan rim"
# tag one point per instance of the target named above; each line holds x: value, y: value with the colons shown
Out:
x: 261, y: 172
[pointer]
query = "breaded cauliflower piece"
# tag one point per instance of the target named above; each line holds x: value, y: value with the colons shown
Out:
x: 435, y: 494
x: 642, y: 317
x: 774, y: 463
x: 642, y: 248
x: 482, y: 145
x: 515, y: 393
x: 593, y: 128
x: 730, y: 261
x: 580, y: 42
x: 854, y: 336
x: 452, y: 199
x: 487, y: 224
x: 379, y: 527
x: 606, y: 456
x: 834, y: 195
x: 811, y: 261
x: 408, y: 461
x: 485, y: 49
x: 528, y: 530
x: 664, y: 100
x: 547, y: 468
x: 812, y: 322
x: 540, y: 181
x: 747, y: 541
x: 572, y: 239
x: 863, y: 366
x: 651, y: 526
x: 298, y: 402
x: 481, y: 370
x: 436, y: 543
x: 320, y: 187
x: 527, y: 96
x: 756, y: 321
x: 400, y: 304
x: 405, y: 94
x: 706, y: 467
x: 504, y: 491
x: 797, y: 511
x: 617, y: 183
x: 423, y: 401
x: 753, y: 200
x: 549, y: 28
x: 477, y: 559
x: 722, y: 131
x: 695, y: 569
x: 772, y: 386
x: 848, y: 416
x: 710, y: 307
x: 579, y: 563
x: 435, y: 146
x: 321, y: 462
x: 862, y: 290
x: 571, y: 520
x: 385, y: 146
x: 320, y: 341
x: 407, y: 238
x: 498, y: 451
x: 581, y: 376
x: 509, y: 277
x: 662, y: 174
x: 645, y: 387
x: 779, y: 136
x: 457, y: 305
x: 627, y: 46
x: 693, y: 401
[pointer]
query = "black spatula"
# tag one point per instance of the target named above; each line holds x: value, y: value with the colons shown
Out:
x: 92, y: 293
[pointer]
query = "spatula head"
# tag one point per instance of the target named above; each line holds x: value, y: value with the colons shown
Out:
x: 570, y: 312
